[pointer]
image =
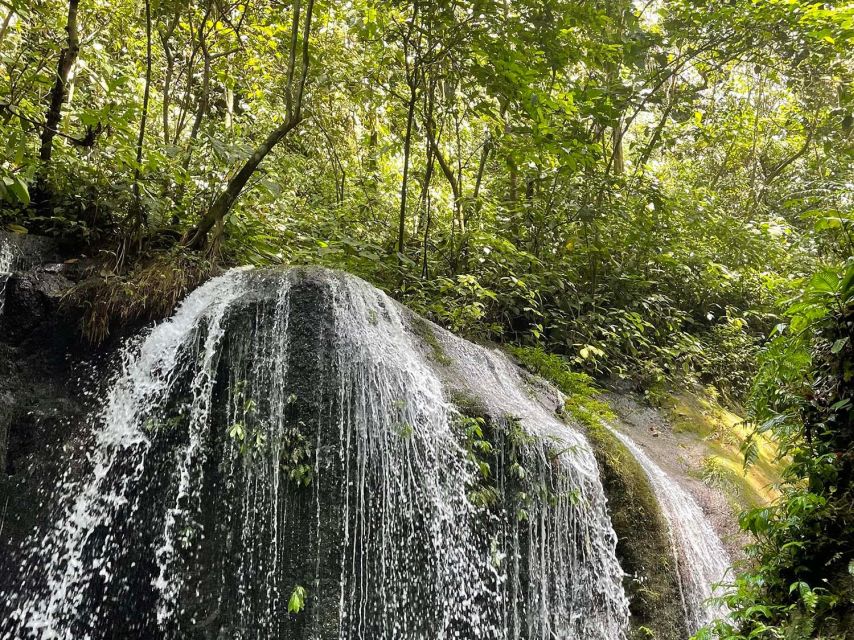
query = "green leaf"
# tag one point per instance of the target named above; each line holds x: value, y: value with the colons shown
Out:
x: 296, y: 603
x: 825, y: 282
x: 18, y: 188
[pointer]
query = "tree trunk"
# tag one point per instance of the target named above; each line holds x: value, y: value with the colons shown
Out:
x: 144, y: 118
x: 165, y: 38
x: 67, y: 57
x: 195, y: 239
x: 617, y: 136
x: 6, y: 22
x: 407, y: 147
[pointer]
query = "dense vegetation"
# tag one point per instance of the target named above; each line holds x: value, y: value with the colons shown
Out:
x: 801, y: 580
x: 656, y: 191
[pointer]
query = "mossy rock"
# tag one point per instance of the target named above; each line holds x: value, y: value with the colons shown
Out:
x: 643, y: 545
x: 468, y: 404
x: 425, y: 331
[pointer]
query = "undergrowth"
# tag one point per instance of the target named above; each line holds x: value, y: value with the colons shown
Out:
x: 581, y: 394
x: 150, y: 290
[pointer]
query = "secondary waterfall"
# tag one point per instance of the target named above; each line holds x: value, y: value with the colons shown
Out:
x: 7, y: 264
x: 290, y: 432
x: 701, y: 558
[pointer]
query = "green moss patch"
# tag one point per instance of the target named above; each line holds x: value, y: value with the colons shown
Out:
x: 468, y: 404
x: 423, y: 329
x: 582, y: 401
x: 722, y: 433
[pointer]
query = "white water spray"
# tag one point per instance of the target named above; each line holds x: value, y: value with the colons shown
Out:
x: 7, y: 263
x: 701, y: 558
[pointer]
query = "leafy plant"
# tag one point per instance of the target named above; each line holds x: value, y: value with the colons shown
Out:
x: 800, y: 584
x: 296, y: 603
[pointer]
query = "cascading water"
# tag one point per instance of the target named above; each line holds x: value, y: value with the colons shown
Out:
x: 702, y: 560
x: 573, y: 540
x: 284, y: 432
x: 7, y: 264
x: 7, y: 256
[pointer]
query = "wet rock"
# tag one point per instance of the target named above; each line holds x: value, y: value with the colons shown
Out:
x: 29, y: 250
x: 39, y: 402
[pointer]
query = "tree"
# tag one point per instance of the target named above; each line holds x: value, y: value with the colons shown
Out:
x: 58, y: 92
x: 294, y: 91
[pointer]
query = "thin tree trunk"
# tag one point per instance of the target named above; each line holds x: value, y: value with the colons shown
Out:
x: 5, y: 26
x: 412, y: 83
x: 168, y: 73
x: 426, y: 202
x: 407, y: 147
x: 617, y: 136
x: 653, y: 141
x: 229, y: 108
x: 204, y: 99
x: 425, y: 188
x: 144, y: 119
x: 67, y: 57
x: 424, y: 270
x: 448, y: 172
x: 481, y: 168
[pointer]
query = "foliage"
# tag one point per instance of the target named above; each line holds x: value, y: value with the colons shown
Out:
x: 581, y: 400
x: 718, y: 475
x: 151, y: 290
x: 632, y: 186
x: 801, y: 583
x: 250, y: 434
x: 476, y: 435
x: 296, y: 603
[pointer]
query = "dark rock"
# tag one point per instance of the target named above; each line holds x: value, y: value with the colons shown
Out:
x: 32, y: 299
x: 30, y: 250
x: 39, y: 402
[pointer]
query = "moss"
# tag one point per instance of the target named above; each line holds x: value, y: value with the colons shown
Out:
x: 701, y: 418
x: 425, y: 331
x: 553, y: 368
x: 643, y: 543
x: 467, y: 404
x: 582, y: 401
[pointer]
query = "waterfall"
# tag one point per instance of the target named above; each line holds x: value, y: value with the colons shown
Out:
x: 287, y: 432
x: 7, y: 264
x: 701, y: 558
x: 7, y: 256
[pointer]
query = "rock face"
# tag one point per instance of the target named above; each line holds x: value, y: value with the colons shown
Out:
x: 38, y: 401
x: 295, y: 456
x: 283, y: 459
x: 33, y: 345
x: 20, y: 252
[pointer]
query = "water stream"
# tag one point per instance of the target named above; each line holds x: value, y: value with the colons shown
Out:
x: 701, y: 558
x: 7, y: 264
